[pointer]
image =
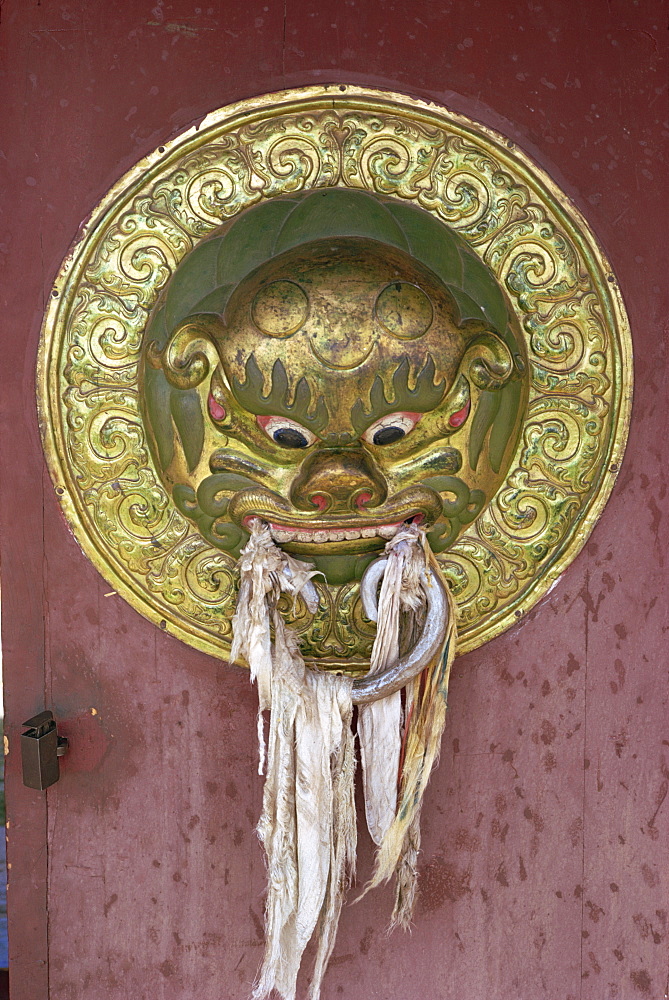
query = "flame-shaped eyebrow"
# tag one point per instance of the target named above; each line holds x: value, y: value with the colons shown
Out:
x: 423, y: 397
x: 277, y: 402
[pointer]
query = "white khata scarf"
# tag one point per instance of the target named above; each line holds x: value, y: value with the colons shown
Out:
x: 308, y: 821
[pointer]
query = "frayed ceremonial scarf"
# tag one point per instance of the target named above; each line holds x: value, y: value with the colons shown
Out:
x: 308, y: 821
x: 380, y: 723
x: 425, y: 717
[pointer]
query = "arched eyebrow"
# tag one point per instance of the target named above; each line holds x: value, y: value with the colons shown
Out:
x: 280, y: 401
x: 423, y: 397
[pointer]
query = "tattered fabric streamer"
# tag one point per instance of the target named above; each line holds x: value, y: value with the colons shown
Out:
x: 380, y: 723
x: 308, y: 822
x: 425, y: 714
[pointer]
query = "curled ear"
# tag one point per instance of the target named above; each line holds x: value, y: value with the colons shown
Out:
x: 487, y: 362
x: 185, y: 357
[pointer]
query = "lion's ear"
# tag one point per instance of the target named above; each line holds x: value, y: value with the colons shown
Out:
x: 487, y: 361
x: 186, y: 358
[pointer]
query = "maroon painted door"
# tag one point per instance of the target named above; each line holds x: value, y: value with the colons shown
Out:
x: 545, y: 852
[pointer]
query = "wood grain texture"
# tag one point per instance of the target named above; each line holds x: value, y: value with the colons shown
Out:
x: 545, y: 848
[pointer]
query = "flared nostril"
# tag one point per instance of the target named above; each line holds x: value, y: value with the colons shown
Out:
x: 338, y: 481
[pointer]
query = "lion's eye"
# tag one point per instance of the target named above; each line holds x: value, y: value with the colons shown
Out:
x: 286, y: 432
x: 392, y: 428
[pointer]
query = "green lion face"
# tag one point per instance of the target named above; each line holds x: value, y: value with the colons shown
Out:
x: 340, y: 390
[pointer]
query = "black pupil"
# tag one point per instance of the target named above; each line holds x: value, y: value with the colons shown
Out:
x: 288, y: 437
x: 387, y: 435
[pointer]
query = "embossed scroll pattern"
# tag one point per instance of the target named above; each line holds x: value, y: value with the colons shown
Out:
x: 509, y: 213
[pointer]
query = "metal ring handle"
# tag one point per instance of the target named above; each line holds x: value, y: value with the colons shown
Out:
x: 431, y: 640
x: 369, y: 585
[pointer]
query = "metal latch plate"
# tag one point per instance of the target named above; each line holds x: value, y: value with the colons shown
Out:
x: 41, y: 746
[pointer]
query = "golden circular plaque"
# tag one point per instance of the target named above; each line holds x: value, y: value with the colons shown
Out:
x: 504, y: 211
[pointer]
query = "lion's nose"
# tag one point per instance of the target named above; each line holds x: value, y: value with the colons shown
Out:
x: 339, y: 481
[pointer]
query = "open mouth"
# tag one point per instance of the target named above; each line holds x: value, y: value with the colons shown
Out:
x: 339, y: 537
x: 337, y: 534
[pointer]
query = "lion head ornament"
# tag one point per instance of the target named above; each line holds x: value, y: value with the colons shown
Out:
x: 336, y: 365
x: 260, y: 427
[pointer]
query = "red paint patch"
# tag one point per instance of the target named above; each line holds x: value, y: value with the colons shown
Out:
x: 501, y: 877
x: 318, y: 500
x: 216, y: 411
x: 641, y: 981
x: 440, y: 882
x: 548, y: 732
x: 458, y: 419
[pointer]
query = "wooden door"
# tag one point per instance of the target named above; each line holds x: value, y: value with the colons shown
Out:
x: 544, y: 864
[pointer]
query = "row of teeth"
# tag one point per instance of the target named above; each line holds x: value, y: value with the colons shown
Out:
x: 330, y: 535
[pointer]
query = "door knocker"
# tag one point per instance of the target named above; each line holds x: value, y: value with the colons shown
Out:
x: 321, y: 376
